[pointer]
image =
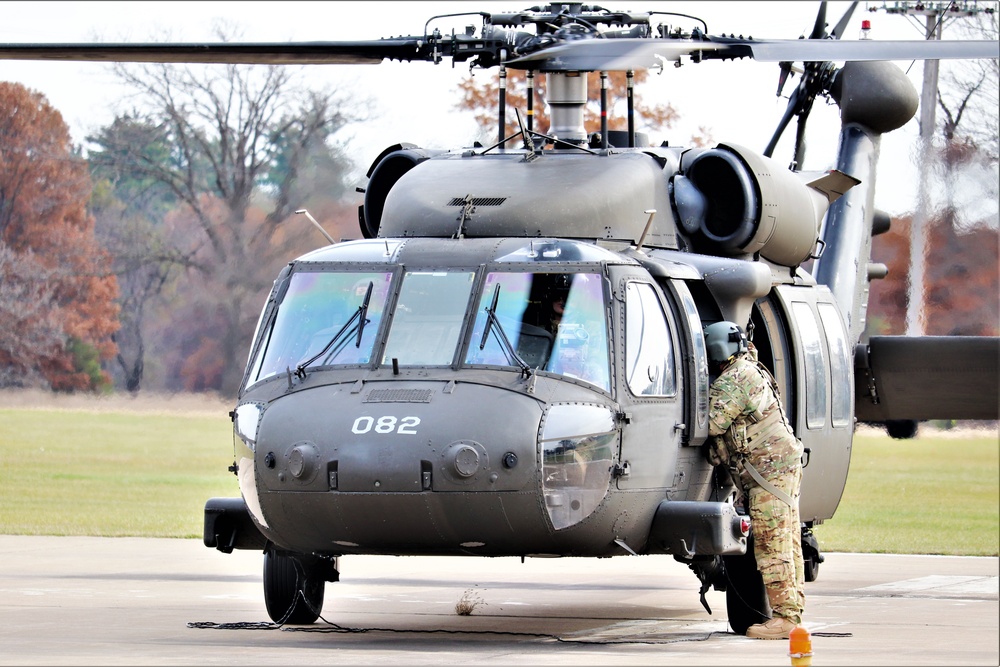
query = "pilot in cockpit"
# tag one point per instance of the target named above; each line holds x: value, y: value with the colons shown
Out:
x: 542, y: 317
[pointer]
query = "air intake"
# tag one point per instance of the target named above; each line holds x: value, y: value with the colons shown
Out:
x: 399, y: 396
x: 477, y: 201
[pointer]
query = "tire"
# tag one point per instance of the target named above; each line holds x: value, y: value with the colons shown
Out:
x: 284, y: 603
x: 901, y: 429
x: 746, y: 598
x: 811, y: 570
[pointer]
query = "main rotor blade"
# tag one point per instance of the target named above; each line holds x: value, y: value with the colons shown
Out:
x: 819, y: 28
x: 793, y: 103
x: 827, y: 50
x: 262, y: 53
x: 576, y: 56
x: 624, y: 54
x: 838, y: 30
x: 614, y: 54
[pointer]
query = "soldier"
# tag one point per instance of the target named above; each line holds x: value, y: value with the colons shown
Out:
x: 749, y: 432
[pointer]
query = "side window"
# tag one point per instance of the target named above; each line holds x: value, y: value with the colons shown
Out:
x: 649, y: 348
x: 700, y: 353
x: 840, y: 360
x: 815, y: 364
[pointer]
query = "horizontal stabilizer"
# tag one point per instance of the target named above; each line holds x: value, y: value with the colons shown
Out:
x: 833, y: 184
x: 927, y: 377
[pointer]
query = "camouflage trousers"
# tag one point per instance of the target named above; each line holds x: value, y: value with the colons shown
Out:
x: 777, y: 543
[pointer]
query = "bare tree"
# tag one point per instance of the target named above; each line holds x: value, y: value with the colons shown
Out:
x: 239, y: 136
x: 145, y: 265
x: 129, y: 209
x: 969, y: 100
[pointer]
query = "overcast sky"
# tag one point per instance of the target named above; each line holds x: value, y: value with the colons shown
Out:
x: 415, y: 102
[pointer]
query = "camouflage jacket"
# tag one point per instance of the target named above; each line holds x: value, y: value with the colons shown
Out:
x: 745, y: 410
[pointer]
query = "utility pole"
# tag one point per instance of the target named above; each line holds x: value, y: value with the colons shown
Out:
x: 935, y: 15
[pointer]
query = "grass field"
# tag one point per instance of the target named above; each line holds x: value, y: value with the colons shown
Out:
x: 938, y: 493
x: 106, y: 473
x: 128, y: 470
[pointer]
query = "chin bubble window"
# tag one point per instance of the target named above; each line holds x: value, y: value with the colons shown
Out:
x: 578, y: 444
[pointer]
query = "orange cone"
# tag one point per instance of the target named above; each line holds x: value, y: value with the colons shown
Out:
x: 800, y: 647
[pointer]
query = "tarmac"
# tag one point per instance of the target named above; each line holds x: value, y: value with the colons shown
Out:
x: 132, y: 601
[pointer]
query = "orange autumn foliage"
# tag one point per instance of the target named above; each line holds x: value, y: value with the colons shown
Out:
x: 44, y: 190
x: 962, y: 280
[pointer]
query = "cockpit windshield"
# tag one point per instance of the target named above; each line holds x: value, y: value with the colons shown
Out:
x: 554, y: 322
x: 315, y: 309
x: 541, y: 320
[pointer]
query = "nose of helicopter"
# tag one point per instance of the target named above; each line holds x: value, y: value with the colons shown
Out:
x: 415, y: 466
x: 410, y: 437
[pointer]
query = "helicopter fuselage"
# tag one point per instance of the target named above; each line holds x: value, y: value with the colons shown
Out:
x: 434, y: 436
x: 512, y: 396
x: 512, y: 362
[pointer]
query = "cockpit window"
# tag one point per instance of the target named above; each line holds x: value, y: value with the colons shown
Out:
x: 318, y: 321
x: 427, y: 320
x: 554, y: 322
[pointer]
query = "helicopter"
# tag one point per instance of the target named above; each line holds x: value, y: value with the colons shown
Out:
x: 511, y: 361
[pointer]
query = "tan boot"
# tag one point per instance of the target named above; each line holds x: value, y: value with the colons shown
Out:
x: 776, y: 628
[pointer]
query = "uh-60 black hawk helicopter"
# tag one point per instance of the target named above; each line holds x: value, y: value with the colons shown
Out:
x: 512, y: 363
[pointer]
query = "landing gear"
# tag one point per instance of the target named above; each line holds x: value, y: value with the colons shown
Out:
x: 293, y: 588
x: 746, y: 598
x: 811, y: 569
x: 811, y: 557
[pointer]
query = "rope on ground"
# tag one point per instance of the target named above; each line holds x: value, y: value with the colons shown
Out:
x: 333, y: 628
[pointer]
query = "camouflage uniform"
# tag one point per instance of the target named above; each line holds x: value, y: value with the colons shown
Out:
x: 746, y: 412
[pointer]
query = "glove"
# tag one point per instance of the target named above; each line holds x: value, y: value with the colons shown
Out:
x: 716, y: 451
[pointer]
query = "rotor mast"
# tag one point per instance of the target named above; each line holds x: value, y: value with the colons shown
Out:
x: 567, y: 101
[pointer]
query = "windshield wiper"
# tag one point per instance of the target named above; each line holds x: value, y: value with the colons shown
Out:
x: 360, y: 314
x: 363, y: 313
x: 491, y: 321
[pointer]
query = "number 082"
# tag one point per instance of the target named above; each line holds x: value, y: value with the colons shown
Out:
x: 386, y: 424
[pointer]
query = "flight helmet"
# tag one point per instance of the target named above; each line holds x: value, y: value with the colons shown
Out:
x: 723, y: 340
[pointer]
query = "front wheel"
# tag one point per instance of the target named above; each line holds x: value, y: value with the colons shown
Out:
x: 746, y: 597
x: 290, y: 597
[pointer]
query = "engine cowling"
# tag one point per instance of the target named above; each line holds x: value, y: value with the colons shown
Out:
x: 741, y: 202
x: 387, y: 168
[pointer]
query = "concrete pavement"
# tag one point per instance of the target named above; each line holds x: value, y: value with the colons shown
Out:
x: 130, y: 601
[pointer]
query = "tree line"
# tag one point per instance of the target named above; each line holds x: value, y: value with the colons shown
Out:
x: 143, y: 263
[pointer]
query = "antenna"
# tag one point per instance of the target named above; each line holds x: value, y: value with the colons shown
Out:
x: 645, y: 230
x: 318, y: 226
